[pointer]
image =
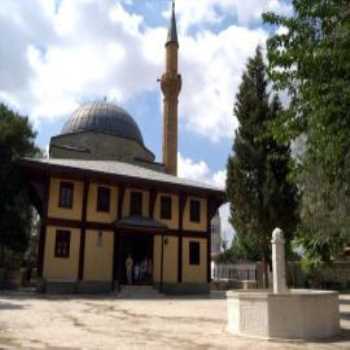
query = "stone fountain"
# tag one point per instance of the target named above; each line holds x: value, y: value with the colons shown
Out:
x: 283, y: 313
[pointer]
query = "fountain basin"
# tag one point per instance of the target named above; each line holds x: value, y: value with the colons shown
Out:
x: 296, y: 314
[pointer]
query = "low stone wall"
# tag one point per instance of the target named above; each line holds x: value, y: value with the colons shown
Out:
x: 12, y: 279
x: 226, y: 284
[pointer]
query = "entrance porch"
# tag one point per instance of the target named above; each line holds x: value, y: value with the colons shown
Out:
x: 136, y: 251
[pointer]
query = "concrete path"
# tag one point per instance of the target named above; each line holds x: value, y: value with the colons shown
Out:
x: 76, y: 323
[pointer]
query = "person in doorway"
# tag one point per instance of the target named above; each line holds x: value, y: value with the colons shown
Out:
x: 129, y: 263
x: 144, y: 269
x: 150, y: 269
x: 137, y: 273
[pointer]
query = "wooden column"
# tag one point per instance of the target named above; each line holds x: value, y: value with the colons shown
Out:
x: 161, y: 262
x: 211, y: 210
x: 83, y: 231
x: 116, y: 238
x: 121, y: 193
x: 116, y: 254
x: 152, y: 202
x: 182, y: 202
x: 209, y: 256
x: 43, y: 225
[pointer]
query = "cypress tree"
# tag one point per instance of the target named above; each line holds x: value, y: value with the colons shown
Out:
x: 260, y: 196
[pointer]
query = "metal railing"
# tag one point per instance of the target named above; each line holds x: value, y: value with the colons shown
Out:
x: 240, y: 272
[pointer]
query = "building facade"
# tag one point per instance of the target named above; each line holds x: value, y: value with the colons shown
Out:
x: 103, y: 200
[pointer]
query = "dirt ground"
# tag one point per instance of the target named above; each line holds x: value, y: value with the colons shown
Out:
x: 29, y: 321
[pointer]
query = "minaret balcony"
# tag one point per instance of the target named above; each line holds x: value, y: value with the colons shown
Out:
x: 171, y: 84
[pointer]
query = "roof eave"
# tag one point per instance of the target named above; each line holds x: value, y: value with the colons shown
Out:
x: 72, y: 171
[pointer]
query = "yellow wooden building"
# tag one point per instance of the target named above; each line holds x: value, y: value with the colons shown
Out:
x: 102, y: 198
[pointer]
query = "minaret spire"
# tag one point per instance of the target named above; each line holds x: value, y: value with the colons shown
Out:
x: 171, y: 86
x: 172, y: 32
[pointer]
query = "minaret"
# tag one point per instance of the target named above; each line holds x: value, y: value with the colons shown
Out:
x: 171, y: 86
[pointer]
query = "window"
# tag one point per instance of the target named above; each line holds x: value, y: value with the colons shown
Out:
x: 62, y: 244
x: 136, y: 203
x: 194, y: 253
x: 103, y: 199
x: 195, y: 210
x: 66, y: 195
x: 165, y: 207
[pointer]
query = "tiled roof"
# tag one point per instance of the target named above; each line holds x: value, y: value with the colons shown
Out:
x: 123, y: 170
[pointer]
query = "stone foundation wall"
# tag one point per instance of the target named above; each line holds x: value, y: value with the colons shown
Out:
x: 183, y: 288
x: 84, y: 287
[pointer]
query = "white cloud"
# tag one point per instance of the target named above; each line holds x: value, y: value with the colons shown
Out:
x: 22, y: 24
x: 212, y: 65
x: 219, y: 179
x: 282, y: 30
x: 226, y: 228
x: 100, y: 53
x: 199, y: 171
x: 53, y: 59
x: 191, y: 170
x: 95, y: 48
x: 194, y: 12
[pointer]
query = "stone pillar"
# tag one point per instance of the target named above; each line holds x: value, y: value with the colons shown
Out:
x: 278, y: 262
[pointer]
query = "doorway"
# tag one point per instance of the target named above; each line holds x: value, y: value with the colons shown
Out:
x: 140, y: 248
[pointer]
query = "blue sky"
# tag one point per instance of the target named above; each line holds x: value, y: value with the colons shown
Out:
x: 56, y: 54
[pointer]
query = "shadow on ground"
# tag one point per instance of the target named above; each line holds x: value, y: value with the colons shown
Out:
x: 345, y: 316
x: 342, y: 337
x: 11, y: 306
x: 29, y: 295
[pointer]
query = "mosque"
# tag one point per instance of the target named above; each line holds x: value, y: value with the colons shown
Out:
x: 110, y: 214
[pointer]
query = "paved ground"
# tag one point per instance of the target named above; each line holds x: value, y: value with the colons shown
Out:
x: 58, y: 323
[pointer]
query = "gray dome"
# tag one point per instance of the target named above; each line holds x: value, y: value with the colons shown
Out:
x: 103, y: 117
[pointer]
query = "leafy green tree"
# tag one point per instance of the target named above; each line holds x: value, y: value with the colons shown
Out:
x: 16, y: 140
x: 257, y: 185
x: 325, y: 206
x: 241, y: 249
x: 310, y: 58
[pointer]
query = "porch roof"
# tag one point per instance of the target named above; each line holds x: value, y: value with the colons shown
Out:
x: 140, y: 223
